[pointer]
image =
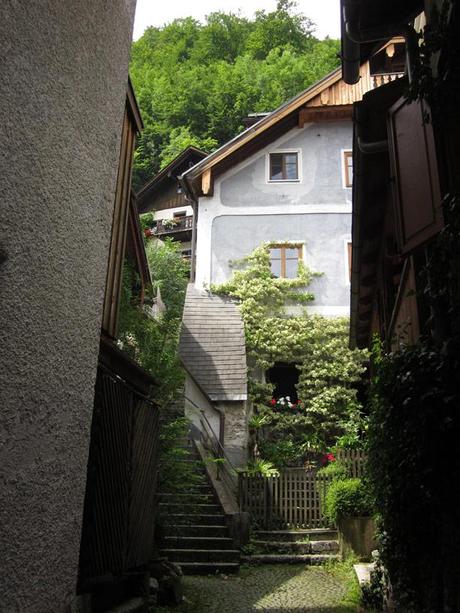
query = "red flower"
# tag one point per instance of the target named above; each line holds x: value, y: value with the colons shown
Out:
x: 327, y: 457
x: 273, y: 402
x: 148, y: 232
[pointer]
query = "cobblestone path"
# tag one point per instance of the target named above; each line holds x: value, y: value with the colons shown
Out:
x: 269, y: 589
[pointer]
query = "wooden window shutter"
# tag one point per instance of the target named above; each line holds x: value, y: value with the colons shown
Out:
x: 416, y: 191
x: 120, y: 217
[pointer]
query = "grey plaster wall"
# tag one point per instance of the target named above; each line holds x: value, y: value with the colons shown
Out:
x: 62, y: 81
x: 321, y: 170
x: 235, y: 236
x: 236, y: 432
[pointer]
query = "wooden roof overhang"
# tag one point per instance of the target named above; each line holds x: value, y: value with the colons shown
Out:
x: 328, y: 99
x: 135, y: 247
x: 170, y: 172
x: 371, y: 195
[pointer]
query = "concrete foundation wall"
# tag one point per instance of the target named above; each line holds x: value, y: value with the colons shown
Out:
x: 63, y: 83
x: 236, y: 432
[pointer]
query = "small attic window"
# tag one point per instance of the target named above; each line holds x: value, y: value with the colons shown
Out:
x: 283, y: 166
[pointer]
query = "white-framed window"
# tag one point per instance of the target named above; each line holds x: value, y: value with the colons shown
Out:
x: 347, y: 167
x: 284, y: 259
x: 283, y: 166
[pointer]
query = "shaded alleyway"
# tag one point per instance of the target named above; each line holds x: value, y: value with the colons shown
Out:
x: 272, y: 589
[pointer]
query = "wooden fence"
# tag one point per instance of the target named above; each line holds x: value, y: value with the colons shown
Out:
x: 293, y: 498
x: 120, y: 501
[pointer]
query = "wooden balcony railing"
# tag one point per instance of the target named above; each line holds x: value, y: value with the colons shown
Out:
x: 382, y: 79
x: 171, y: 226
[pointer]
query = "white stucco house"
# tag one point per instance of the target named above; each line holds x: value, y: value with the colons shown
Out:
x: 286, y: 180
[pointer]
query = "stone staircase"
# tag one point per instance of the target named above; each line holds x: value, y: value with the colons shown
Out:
x: 195, y: 535
x: 314, y: 546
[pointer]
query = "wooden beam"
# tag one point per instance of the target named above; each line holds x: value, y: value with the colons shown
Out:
x: 207, y: 183
x: 326, y: 113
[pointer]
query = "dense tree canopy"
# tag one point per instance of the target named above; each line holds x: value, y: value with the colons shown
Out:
x: 196, y: 82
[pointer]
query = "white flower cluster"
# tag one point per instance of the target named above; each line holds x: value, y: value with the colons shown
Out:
x: 285, y: 401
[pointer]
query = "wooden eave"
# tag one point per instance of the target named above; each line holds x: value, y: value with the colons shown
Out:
x: 136, y: 245
x: 133, y: 107
x: 149, y: 189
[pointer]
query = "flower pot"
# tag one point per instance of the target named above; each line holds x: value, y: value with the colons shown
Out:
x: 357, y: 535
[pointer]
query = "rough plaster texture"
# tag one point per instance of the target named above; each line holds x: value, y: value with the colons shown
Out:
x: 63, y: 83
x: 246, y: 210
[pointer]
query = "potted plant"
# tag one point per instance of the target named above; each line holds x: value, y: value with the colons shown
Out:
x: 349, y: 506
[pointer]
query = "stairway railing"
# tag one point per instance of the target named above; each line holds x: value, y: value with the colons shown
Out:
x: 226, y: 472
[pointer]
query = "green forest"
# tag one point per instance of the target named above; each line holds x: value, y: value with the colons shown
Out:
x: 195, y: 82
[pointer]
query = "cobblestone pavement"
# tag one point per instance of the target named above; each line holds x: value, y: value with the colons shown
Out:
x: 269, y: 589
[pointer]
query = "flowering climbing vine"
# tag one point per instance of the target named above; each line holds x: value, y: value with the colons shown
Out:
x: 329, y: 411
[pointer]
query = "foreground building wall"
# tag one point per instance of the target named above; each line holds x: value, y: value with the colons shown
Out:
x: 63, y: 83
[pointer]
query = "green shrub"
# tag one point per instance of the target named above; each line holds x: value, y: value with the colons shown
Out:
x: 347, y: 498
x: 336, y: 470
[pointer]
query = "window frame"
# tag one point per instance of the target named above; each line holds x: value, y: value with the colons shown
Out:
x: 346, y: 180
x: 283, y: 247
x: 298, y: 152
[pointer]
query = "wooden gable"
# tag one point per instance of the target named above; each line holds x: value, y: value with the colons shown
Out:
x: 335, y: 102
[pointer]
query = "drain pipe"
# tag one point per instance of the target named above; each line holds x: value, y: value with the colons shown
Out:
x: 353, y: 37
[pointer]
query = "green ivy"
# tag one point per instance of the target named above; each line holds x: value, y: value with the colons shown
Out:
x: 154, y: 342
x: 328, y: 369
x: 412, y: 466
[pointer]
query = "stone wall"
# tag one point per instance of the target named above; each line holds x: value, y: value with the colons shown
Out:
x: 63, y: 82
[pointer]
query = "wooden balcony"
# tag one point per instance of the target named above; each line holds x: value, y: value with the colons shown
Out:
x: 179, y: 228
x: 382, y: 79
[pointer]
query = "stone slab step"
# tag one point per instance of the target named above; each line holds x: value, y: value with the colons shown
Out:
x: 188, y: 497
x: 209, y: 568
x: 312, y: 534
x: 309, y: 559
x: 192, y: 489
x: 181, y: 519
x: 296, y: 547
x: 197, y: 531
x: 193, y: 508
x: 201, y: 555
x: 197, y: 542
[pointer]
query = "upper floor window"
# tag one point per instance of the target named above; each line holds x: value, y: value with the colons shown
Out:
x: 347, y: 161
x: 284, y: 260
x: 284, y: 166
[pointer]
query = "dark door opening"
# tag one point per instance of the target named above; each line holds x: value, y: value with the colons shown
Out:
x: 285, y: 377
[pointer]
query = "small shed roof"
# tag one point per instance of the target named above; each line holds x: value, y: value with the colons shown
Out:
x: 212, y: 346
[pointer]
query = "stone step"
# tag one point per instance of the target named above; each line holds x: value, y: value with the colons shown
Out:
x: 192, y: 508
x: 296, y: 547
x: 193, y: 488
x: 201, y: 555
x: 189, y: 497
x: 312, y: 534
x: 206, y: 531
x: 209, y: 568
x: 197, y: 542
x: 311, y: 559
x: 181, y: 519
